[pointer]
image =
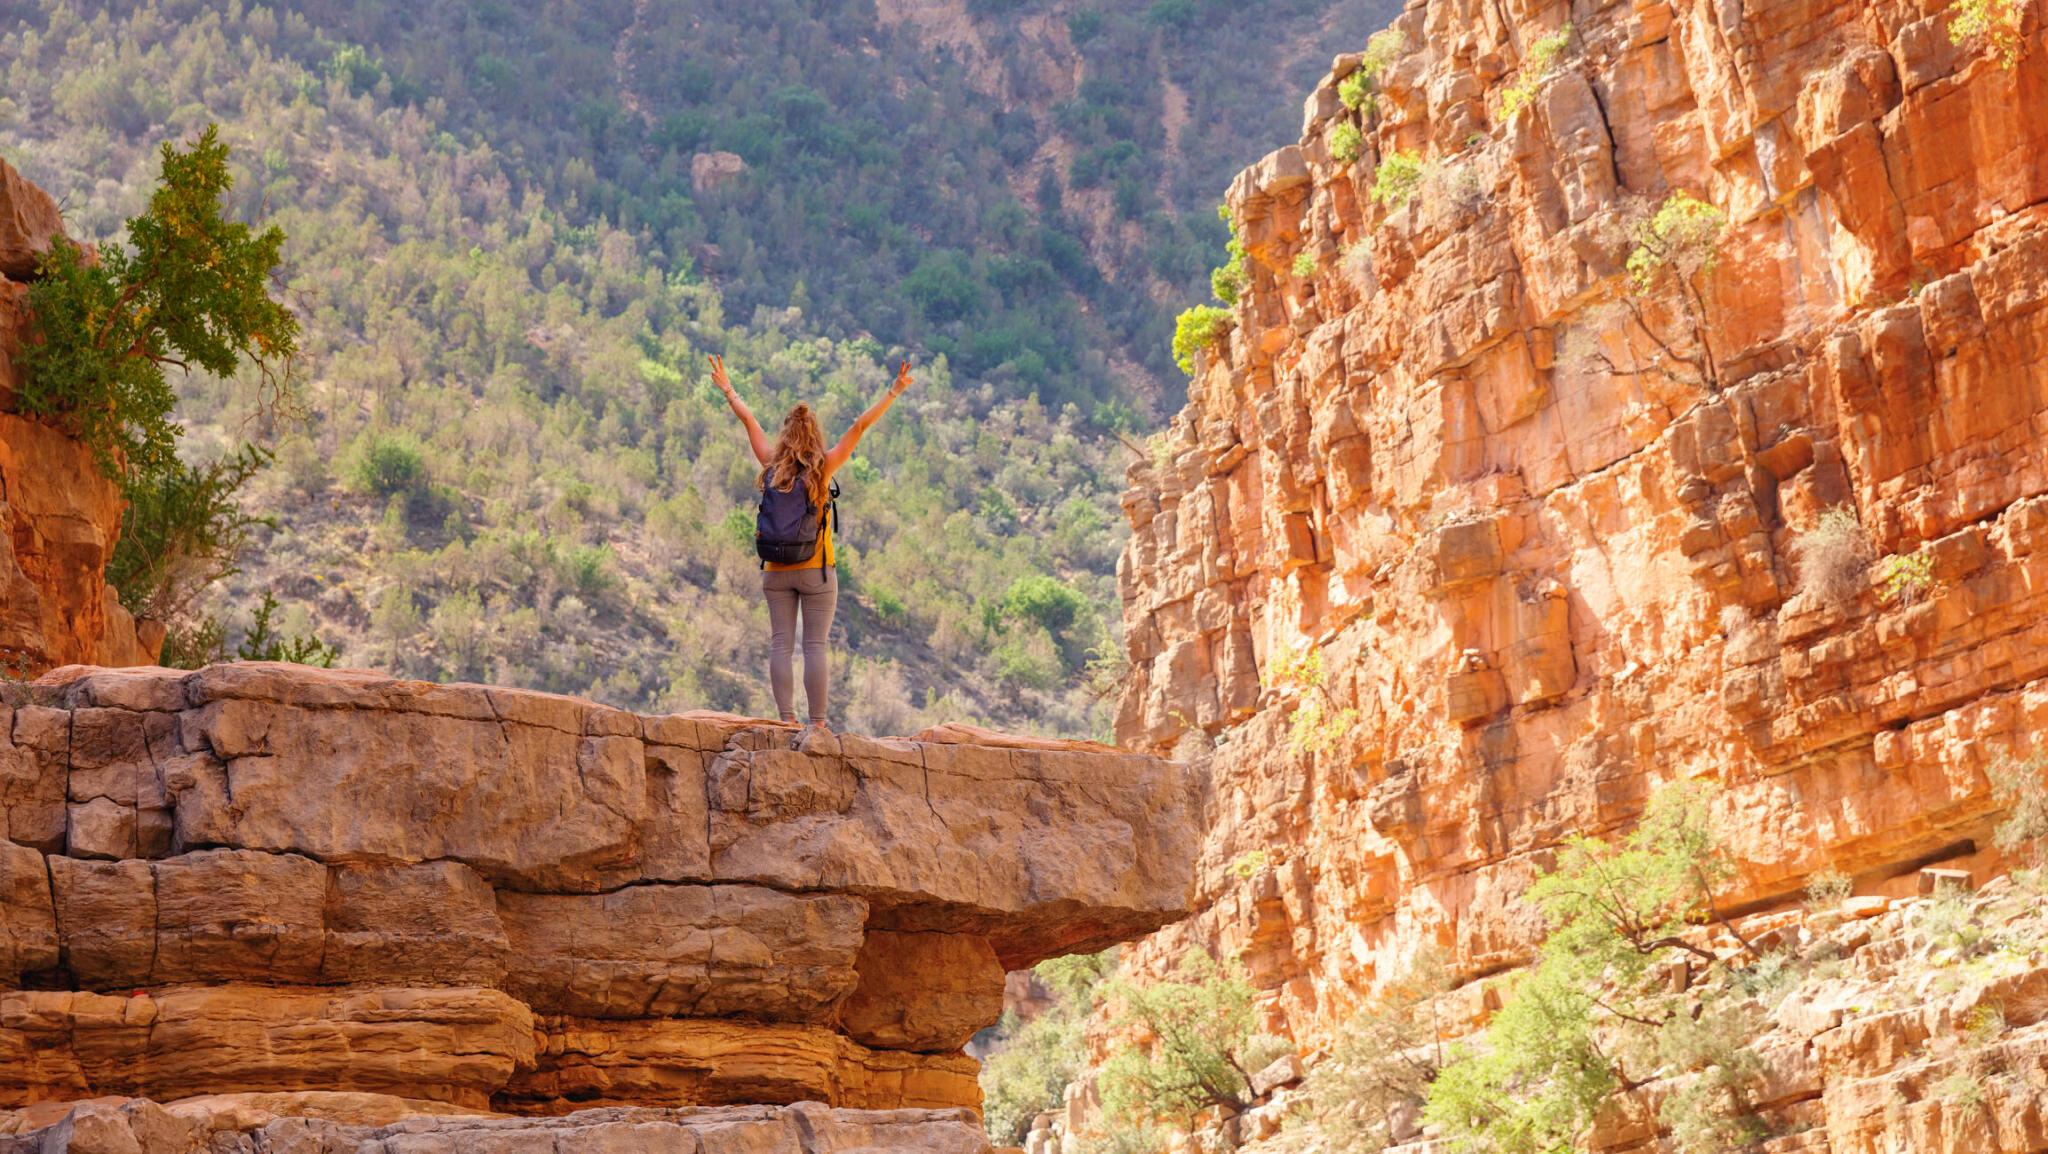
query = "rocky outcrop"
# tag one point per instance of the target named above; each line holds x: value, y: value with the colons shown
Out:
x: 60, y: 514
x: 275, y: 880
x: 1538, y: 523
x: 340, y: 1123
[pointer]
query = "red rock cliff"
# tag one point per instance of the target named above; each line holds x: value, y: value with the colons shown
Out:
x: 1546, y: 586
x: 60, y: 514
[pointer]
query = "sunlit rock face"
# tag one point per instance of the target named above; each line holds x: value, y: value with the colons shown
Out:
x: 59, y: 513
x: 328, y: 894
x: 1538, y: 523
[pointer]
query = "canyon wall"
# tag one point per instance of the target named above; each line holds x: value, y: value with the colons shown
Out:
x: 260, y: 892
x: 1536, y: 523
x: 60, y: 513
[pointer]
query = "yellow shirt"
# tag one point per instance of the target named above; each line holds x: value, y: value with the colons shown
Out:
x: 822, y: 559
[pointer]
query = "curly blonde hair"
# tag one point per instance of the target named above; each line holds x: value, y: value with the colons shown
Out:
x: 799, y: 454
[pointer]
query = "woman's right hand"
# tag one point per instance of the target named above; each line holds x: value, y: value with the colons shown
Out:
x: 719, y: 378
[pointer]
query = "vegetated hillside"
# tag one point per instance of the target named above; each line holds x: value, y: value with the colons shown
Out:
x: 509, y: 465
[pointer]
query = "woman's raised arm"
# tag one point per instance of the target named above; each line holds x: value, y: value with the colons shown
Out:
x: 843, y: 451
x: 763, y: 449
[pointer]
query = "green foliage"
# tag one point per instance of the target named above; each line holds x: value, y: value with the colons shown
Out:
x: 1382, y: 1064
x: 1195, y: 329
x: 1595, y: 998
x: 2021, y: 786
x: 1397, y: 179
x: 189, y: 289
x: 1907, y: 577
x: 1355, y: 91
x: 263, y: 642
x: 1304, y: 264
x: 1033, y: 1061
x: 388, y: 465
x: 1247, y: 865
x: 1317, y: 723
x: 183, y: 530
x: 1347, y: 143
x: 1228, y: 282
x: 1682, y: 238
x: 1203, y: 1043
x: 1381, y: 50
x: 1996, y: 22
x: 1544, y: 55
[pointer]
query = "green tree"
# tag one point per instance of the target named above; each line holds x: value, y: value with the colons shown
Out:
x: 1034, y: 1060
x: 1594, y: 1014
x: 189, y: 290
x: 1201, y: 1043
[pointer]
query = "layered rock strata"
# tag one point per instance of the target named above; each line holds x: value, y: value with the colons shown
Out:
x: 270, y: 879
x: 1538, y: 522
x: 332, y: 1123
x: 59, y: 513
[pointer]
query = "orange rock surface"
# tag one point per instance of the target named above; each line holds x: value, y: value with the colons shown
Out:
x: 275, y: 880
x: 1543, y: 551
x: 59, y: 514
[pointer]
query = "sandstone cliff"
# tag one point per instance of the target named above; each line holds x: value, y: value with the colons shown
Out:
x: 59, y: 512
x: 290, y: 893
x: 1539, y: 528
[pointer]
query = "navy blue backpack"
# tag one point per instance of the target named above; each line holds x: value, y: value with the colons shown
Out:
x: 787, y: 526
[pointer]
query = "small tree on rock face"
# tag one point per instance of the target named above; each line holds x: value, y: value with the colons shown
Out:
x: 1670, y: 251
x: 190, y: 290
x: 1382, y: 1064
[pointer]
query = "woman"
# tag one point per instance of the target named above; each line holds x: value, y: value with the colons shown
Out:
x: 808, y: 588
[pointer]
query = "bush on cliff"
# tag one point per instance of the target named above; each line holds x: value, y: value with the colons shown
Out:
x: 189, y: 290
x: 1597, y: 1013
x: 1196, y: 329
x: 1834, y: 556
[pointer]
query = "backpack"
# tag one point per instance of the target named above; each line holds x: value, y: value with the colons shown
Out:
x: 787, y: 527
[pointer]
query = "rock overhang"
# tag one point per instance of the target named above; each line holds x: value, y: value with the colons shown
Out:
x: 547, y: 901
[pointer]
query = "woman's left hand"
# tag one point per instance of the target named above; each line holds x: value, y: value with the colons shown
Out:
x: 902, y: 380
x: 718, y: 376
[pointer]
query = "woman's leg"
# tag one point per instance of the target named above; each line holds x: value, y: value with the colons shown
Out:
x: 782, y: 600
x: 820, y: 593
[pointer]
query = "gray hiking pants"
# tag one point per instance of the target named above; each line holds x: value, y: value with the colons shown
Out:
x: 816, y: 593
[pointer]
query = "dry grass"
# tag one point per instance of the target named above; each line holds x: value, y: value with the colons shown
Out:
x: 1834, y: 557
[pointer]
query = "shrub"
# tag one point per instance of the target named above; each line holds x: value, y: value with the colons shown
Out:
x: 1383, y: 1062
x: 1907, y: 577
x: 1398, y: 177
x: 2021, y: 786
x: 188, y: 290
x: 1228, y: 282
x: 1827, y: 889
x: 1304, y: 264
x: 264, y: 643
x: 1195, y: 329
x: 1381, y: 51
x: 1204, y: 1044
x: 389, y: 464
x: 1682, y: 237
x: 183, y: 530
x: 1355, y: 90
x: 1317, y: 724
x: 1833, y: 556
x: 1542, y: 61
x: 1996, y: 22
x: 1347, y: 143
